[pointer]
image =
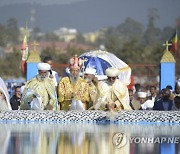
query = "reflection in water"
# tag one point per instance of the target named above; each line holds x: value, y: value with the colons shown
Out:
x: 73, y: 138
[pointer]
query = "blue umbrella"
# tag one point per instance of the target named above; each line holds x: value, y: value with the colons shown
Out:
x: 101, y: 60
x: 97, y: 63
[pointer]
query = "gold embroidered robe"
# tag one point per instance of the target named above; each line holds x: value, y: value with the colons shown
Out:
x: 93, y: 94
x: 68, y: 91
x: 45, y: 89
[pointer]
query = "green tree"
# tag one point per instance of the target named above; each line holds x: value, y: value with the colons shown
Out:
x: 12, y: 31
x: 130, y: 28
x: 11, y: 65
x: 3, y: 36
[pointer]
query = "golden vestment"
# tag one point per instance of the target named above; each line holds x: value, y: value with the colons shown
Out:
x: 93, y: 94
x: 45, y: 89
x: 68, y: 91
x: 116, y: 93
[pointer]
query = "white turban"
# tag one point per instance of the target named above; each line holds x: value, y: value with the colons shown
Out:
x: 101, y: 77
x: 142, y: 94
x: 112, y: 72
x: 90, y: 71
x: 44, y: 67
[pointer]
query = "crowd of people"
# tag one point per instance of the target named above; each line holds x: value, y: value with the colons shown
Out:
x: 83, y: 91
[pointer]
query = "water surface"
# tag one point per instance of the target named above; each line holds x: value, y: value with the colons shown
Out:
x: 87, y: 138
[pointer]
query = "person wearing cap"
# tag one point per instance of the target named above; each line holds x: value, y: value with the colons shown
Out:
x: 134, y: 103
x: 89, y: 76
x: 73, y: 90
x: 4, y: 97
x: 112, y: 94
x: 142, y: 97
x: 52, y: 74
x: 146, y: 104
x: 39, y: 93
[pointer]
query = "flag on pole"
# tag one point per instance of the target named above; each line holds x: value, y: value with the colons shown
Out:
x: 24, y: 50
x: 174, y: 41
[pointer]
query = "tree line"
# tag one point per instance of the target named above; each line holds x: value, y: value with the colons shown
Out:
x: 130, y: 41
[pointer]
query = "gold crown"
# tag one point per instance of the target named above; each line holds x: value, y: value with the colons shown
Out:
x: 76, y: 62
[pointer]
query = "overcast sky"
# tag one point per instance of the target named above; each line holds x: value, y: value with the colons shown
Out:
x: 42, y: 2
x: 88, y: 15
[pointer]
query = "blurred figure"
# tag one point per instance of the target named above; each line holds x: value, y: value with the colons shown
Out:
x: 142, y: 97
x: 164, y: 103
x: 153, y: 95
x: 145, y: 104
x: 176, y: 105
x: 138, y: 88
x: 52, y: 74
x: 4, y: 97
x: 112, y: 94
x: 131, y: 85
x: 40, y: 93
x: 147, y: 88
x: 89, y: 76
x: 16, y: 98
x: 177, y: 90
x: 170, y: 88
x: 73, y: 90
x: 135, y: 104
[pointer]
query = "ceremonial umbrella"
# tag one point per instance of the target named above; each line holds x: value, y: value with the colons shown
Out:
x: 101, y: 60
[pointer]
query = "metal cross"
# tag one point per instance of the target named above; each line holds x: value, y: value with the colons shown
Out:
x: 166, y: 44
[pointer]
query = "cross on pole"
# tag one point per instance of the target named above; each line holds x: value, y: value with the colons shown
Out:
x: 166, y: 44
x: 34, y: 44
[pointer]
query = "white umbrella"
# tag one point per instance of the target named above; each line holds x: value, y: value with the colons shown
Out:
x: 101, y: 60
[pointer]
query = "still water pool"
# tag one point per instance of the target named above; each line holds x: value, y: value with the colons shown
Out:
x: 87, y: 138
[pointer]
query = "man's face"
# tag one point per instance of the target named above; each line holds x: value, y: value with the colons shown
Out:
x: 152, y: 90
x: 88, y: 77
x: 111, y: 79
x: 75, y: 72
x: 131, y: 96
x: 50, y: 63
x: 166, y: 94
x: 43, y: 74
x: 18, y: 92
x: 141, y: 100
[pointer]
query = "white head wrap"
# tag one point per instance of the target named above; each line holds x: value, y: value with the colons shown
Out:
x: 101, y: 77
x: 112, y: 72
x: 142, y: 94
x: 44, y: 67
x: 90, y: 71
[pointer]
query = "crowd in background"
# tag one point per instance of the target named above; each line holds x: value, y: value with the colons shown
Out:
x: 74, y: 91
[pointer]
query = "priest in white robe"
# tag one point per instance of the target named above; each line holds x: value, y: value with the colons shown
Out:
x: 112, y: 94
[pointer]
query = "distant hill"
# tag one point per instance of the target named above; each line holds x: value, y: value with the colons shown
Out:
x: 91, y: 15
